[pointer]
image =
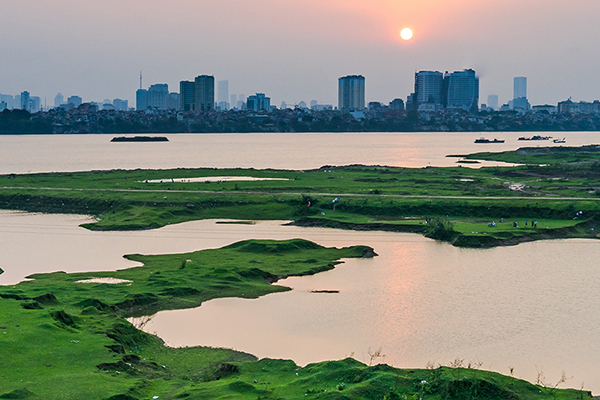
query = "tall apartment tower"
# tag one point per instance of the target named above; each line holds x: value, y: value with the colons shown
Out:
x: 223, y: 95
x: 187, y: 95
x: 462, y: 90
x: 58, y: 99
x: 520, y: 88
x: 204, y: 96
x: 25, y: 101
x: 351, y: 93
x: 141, y: 99
x: 428, y: 87
x: 492, y: 101
x: 158, y: 96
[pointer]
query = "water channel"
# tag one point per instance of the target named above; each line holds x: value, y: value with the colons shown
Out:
x: 534, y: 307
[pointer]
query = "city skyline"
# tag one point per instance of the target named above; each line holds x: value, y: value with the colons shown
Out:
x: 310, y: 45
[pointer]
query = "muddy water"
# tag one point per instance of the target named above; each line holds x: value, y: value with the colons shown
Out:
x: 534, y: 307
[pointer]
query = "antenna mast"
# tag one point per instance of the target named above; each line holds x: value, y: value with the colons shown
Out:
x: 140, y: 79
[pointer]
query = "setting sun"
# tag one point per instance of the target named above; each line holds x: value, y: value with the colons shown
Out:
x: 406, y: 33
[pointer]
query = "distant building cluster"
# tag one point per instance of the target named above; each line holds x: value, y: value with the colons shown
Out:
x: 434, y: 92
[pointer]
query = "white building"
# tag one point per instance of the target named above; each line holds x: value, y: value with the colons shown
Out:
x: 520, y: 88
x: 351, y: 93
x: 428, y: 87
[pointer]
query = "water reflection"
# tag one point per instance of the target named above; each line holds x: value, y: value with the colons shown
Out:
x: 535, y: 306
x: 523, y: 307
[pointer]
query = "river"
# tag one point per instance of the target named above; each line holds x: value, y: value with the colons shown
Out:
x: 66, y: 153
x: 534, y: 307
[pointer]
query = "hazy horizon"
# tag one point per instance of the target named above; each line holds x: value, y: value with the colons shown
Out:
x: 295, y: 51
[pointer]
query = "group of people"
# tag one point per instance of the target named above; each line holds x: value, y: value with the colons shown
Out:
x: 533, y: 224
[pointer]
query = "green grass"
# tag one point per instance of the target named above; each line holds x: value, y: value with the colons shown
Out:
x: 373, y: 197
x: 542, y: 155
x: 60, y: 339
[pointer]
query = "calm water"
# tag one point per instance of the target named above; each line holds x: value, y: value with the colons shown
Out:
x: 534, y: 307
x: 21, y: 154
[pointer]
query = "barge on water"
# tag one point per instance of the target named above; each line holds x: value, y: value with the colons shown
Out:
x: 140, y: 139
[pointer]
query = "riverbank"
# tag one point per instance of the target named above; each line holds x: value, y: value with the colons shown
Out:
x: 89, y: 349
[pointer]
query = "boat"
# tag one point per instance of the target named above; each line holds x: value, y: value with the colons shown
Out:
x: 535, y: 137
x: 484, y: 140
x: 140, y: 139
x: 558, y: 140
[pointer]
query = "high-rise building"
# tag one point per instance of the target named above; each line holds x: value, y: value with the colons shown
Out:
x: 428, y: 87
x: 10, y: 101
x: 397, y: 105
x: 223, y: 94
x: 463, y: 90
x: 35, y: 104
x: 141, y: 99
x: 173, y: 101
x: 187, y: 95
x: 121, y: 105
x: 351, y: 93
x: 75, y: 100
x: 158, y: 95
x: 233, y: 101
x: 204, y: 93
x: 58, y: 99
x: 492, y: 101
x: 3, y: 105
x: 259, y: 102
x: 25, y: 101
x: 520, y: 102
x: 520, y: 87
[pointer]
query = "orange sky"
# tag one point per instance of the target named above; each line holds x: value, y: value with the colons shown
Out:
x: 296, y: 50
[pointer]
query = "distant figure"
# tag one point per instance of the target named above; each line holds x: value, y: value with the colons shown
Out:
x: 535, y: 224
x: 501, y: 220
x: 515, y: 225
x: 525, y: 222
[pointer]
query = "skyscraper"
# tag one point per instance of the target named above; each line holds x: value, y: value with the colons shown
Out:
x: 259, y: 102
x: 120, y: 105
x: 75, y: 100
x: 204, y: 93
x: 493, y: 101
x: 58, y: 99
x: 520, y: 88
x: 158, y: 96
x: 187, y: 95
x: 351, y: 93
x: 141, y: 99
x: 25, y: 101
x: 463, y: 90
x: 428, y: 87
x: 223, y: 95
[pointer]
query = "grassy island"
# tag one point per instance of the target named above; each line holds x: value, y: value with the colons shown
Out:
x: 66, y: 337
x: 467, y: 207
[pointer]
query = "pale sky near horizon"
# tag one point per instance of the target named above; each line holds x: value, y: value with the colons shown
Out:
x: 296, y: 50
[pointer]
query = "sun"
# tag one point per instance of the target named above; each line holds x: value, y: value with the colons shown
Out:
x: 406, y: 33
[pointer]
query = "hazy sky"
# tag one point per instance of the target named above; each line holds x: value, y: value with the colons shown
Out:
x: 296, y: 50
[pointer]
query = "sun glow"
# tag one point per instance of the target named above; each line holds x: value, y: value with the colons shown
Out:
x: 406, y: 33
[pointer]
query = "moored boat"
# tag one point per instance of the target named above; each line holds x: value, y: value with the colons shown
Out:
x: 484, y: 140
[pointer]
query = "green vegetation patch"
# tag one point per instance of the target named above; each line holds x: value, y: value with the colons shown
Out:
x: 76, y: 343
